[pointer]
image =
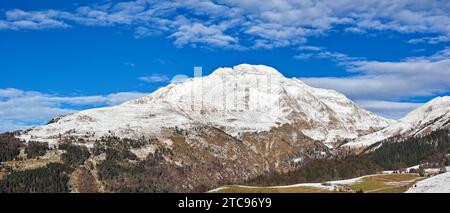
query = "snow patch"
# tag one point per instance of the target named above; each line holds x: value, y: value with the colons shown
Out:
x: 436, y: 184
x: 143, y: 152
x: 168, y: 142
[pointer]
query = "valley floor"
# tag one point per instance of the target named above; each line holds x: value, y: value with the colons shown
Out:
x: 378, y: 183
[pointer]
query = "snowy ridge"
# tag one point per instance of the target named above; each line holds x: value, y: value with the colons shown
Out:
x: 239, y: 99
x: 431, y: 116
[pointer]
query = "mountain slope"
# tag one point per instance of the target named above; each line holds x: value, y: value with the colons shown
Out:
x: 245, y: 98
x: 431, y: 116
x: 436, y: 184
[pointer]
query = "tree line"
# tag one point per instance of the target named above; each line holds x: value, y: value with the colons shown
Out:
x: 53, y: 177
x: 36, y: 149
x: 9, y: 147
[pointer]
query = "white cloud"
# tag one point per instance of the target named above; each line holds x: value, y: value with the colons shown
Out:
x: 3, y: 25
x: 278, y: 35
x: 261, y: 25
x: 309, y: 48
x: 194, y: 33
x: 389, y: 109
x: 304, y: 56
x: 10, y: 93
x: 412, y: 77
x: 122, y: 97
x: 19, y: 20
x: 9, y: 126
x: 160, y: 60
x: 440, y: 55
x: 430, y: 40
x: 21, y: 109
x: 321, y: 53
x: 154, y: 78
x: 141, y: 32
x: 391, y: 81
x: 129, y: 64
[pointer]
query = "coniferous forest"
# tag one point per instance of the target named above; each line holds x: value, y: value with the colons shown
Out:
x: 74, y: 155
x: 9, y: 147
x: 395, y: 154
x: 51, y: 178
x: 392, y: 155
x: 36, y: 149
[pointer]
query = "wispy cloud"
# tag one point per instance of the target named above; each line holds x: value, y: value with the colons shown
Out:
x: 309, y: 48
x: 129, y: 64
x: 195, y: 33
x: 19, y: 20
x: 21, y: 109
x: 340, y: 58
x: 430, y: 40
x: 154, y: 78
x: 389, y: 109
x: 160, y: 60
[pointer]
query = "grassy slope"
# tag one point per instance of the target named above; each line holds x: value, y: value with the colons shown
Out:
x: 383, y: 183
x: 33, y: 163
x: 388, y: 183
x: 296, y: 189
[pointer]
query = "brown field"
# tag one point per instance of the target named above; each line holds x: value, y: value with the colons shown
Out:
x: 386, y: 183
x: 20, y: 165
x: 294, y: 189
x: 383, y: 183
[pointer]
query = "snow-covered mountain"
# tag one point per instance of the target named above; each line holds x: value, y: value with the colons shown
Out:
x: 245, y: 98
x: 236, y: 123
x: 431, y: 116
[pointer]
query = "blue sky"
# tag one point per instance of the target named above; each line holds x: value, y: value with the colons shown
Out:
x: 58, y: 57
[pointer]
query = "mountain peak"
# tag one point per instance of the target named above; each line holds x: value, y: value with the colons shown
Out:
x: 431, y: 116
x: 438, y: 106
x: 248, y: 69
x: 440, y: 100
